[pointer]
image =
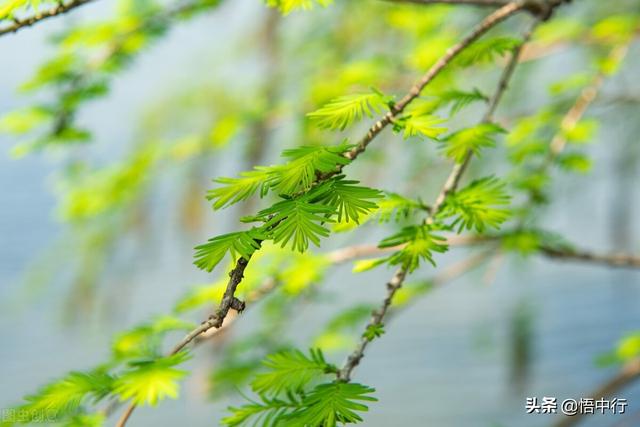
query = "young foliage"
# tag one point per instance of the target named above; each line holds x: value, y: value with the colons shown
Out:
x: 305, y: 162
x: 145, y: 340
x: 485, y: 51
x: 373, y: 331
x: 209, y: 294
x: 62, y: 398
x: 235, y: 190
x: 297, y: 175
x: 397, y: 207
x: 241, y: 243
x: 341, y: 112
x: 425, y: 125
x: 332, y: 403
x: 350, y: 200
x: 338, y: 333
x: 419, y: 244
x: 288, y: 6
x: 290, y: 371
x: 458, y: 144
x: 150, y: 381
x: 298, y: 221
x: 268, y: 412
x: 327, y: 405
x: 479, y: 206
x: 459, y: 99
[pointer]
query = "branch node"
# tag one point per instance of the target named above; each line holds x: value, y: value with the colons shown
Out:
x: 237, y: 305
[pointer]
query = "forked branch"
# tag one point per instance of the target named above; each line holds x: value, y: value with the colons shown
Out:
x: 60, y: 9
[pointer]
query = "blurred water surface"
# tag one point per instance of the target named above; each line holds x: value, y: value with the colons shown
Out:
x: 443, y: 362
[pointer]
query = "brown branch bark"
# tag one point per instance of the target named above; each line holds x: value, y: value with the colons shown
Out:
x: 627, y: 374
x: 611, y: 260
x: 60, y: 9
x: 236, y: 274
x: 579, y: 108
x: 353, y: 360
x: 490, y: 3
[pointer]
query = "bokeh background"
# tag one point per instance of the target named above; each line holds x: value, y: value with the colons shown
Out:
x: 465, y: 354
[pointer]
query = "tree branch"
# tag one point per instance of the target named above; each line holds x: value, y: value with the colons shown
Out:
x: 611, y: 260
x: 627, y: 374
x: 490, y: 3
x: 489, y: 22
x: 452, y: 181
x: 59, y: 9
x: 458, y: 169
x: 236, y: 274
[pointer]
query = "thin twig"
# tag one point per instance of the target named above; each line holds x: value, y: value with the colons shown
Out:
x: 458, y: 169
x: 451, y: 183
x: 59, y: 9
x: 585, y: 99
x: 489, y: 22
x: 627, y: 374
x: 490, y: 3
x: 611, y: 260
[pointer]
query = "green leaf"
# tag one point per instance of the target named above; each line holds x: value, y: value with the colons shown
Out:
x: 574, y: 162
x: 297, y: 175
x: 300, y: 173
x: 86, y: 420
x: 373, y: 331
x: 459, y: 99
x: 290, y: 371
x: 344, y: 110
x: 298, y: 221
x: 235, y: 190
x: 350, y: 200
x: 201, y: 295
x: 64, y: 397
x: 151, y: 381
x: 268, y: 412
x: 363, y: 265
x: 288, y: 6
x: 8, y: 7
x: 330, y: 404
x: 397, y: 207
x: 478, y: 205
x: 485, y: 51
x: 458, y: 144
x: 241, y: 243
x: 425, y: 125
x: 419, y: 243
x: 145, y: 340
x: 23, y: 121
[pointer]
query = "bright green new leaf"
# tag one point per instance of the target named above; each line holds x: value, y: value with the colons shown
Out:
x: 145, y: 340
x: 298, y: 221
x: 344, y: 110
x: 288, y: 6
x: 425, y: 125
x: 397, y: 207
x: 419, y: 244
x: 241, y: 243
x: 459, y: 99
x: 331, y: 404
x: 470, y: 140
x: 149, y: 382
x: 478, y: 206
x: 63, y: 397
x: 290, y: 371
x: 305, y: 161
x: 373, y: 331
x: 350, y: 200
x: 235, y: 190
x: 485, y: 51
